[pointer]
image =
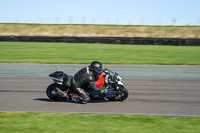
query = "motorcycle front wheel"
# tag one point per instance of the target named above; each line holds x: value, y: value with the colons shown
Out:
x: 121, y: 96
x: 52, y: 94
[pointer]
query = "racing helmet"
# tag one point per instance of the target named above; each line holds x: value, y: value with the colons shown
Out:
x: 96, y: 67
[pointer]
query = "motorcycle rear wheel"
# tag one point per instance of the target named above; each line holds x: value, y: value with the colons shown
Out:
x: 51, y: 93
x: 121, y: 96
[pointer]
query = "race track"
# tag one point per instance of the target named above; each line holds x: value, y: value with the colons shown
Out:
x: 154, y: 89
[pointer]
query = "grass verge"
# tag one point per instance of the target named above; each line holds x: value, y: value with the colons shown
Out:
x: 98, y: 123
x: 76, y: 53
x: 85, y: 30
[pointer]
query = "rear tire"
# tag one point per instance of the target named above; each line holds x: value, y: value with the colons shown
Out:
x: 121, y: 96
x: 51, y: 93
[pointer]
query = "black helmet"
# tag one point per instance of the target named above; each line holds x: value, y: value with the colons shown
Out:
x: 96, y: 67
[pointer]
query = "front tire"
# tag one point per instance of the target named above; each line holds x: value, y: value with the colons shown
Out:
x: 121, y: 96
x: 51, y: 93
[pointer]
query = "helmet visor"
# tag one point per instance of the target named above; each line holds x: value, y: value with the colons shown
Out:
x: 99, y: 71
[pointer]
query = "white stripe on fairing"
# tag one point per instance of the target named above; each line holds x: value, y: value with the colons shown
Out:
x: 88, y: 70
x: 57, y: 79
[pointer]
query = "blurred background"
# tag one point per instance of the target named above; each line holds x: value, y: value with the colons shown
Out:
x: 88, y: 18
x: 161, y: 21
x: 112, y: 12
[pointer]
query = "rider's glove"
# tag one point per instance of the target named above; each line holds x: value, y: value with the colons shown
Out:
x: 104, y: 91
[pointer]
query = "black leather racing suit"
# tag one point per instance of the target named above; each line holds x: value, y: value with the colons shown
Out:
x: 83, y: 79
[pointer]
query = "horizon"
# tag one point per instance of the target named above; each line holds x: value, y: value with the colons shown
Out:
x: 128, y: 12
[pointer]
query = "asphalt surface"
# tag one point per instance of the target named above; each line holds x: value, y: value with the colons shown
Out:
x: 153, y: 89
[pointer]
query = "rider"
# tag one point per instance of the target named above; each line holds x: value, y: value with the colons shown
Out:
x: 85, y: 78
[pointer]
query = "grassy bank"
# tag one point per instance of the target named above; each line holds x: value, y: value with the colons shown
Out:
x: 98, y: 123
x: 69, y: 53
x: 99, y: 30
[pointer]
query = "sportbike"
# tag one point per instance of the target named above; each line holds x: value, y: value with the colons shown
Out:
x: 62, y: 89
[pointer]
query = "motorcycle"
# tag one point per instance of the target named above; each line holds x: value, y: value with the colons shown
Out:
x: 62, y: 88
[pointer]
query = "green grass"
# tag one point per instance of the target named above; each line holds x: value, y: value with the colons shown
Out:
x: 75, y: 53
x: 98, y: 123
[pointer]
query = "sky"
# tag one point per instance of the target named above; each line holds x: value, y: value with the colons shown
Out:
x: 125, y: 12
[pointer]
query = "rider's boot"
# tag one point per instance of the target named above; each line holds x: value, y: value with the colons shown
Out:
x: 76, y: 98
